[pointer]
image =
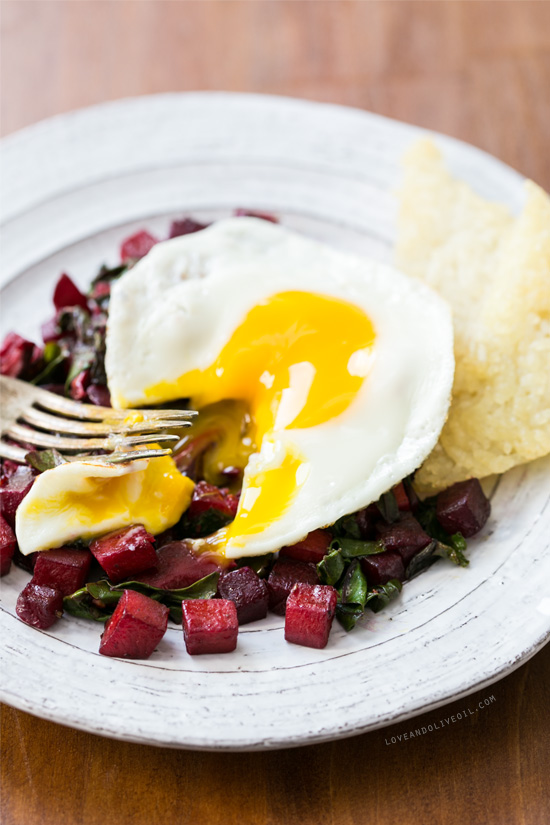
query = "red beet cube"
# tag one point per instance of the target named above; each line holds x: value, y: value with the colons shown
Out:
x: 367, y: 519
x: 463, y: 508
x: 186, y: 226
x: 135, y: 628
x: 311, y: 549
x: 406, y: 536
x: 24, y: 562
x: 99, y: 394
x: 309, y: 613
x: 248, y: 591
x: 401, y: 496
x: 125, y: 553
x: 8, y: 544
x: 39, y: 606
x: 178, y: 566
x: 16, y: 355
x: 381, y: 568
x: 13, y: 490
x: 66, y: 569
x: 79, y: 385
x: 210, y: 625
x: 138, y: 245
x: 211, y: 508
x: 207, y: 497
x: 285, y: 574
x: 67, y: 294
x: 8, y: 468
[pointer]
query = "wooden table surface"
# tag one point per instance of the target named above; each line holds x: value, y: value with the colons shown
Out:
x: 477, y: 70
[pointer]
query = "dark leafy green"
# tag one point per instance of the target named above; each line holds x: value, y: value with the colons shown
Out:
x: 43, y: 460
x: 83, y: 605
x: 348, y: 615
x: 109, y: 273
x: 97, y: 600
x: 346, y: 527
x: 261, y: 565
x: 437, y: 550
x: 381, y: 595
x: 355, y: 548
x: 204, y: 524
x: 454, y: 551
x: 352, y: 596
x: 387, y: 507
x: 53, y: 358
x: 422, y: 560
x: 331, y: 568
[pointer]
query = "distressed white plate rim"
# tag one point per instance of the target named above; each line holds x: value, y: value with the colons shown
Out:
x: 73, y: 186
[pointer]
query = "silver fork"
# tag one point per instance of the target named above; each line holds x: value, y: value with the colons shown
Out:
x: 35, y: 416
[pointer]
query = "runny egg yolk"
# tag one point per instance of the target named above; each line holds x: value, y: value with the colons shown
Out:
x: 84, y: 499
x: 297, y: 360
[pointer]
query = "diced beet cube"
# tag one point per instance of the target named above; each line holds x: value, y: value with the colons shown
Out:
x: 136, y: 627
x: 211, y: 508
x: 207, y: 496
x: 209, y: 625
x: 185, y: 226
x: 16, y: 355
x: 39, y: 606
x: 285, y: 574
x: 311, y: 549
x: 125, y: 553
x: 67, y: 294
x: 310, y: 610
x: 13, y: 490
x: 99, y: 394
x: 24, y: 562
x: 406, y: 536
x: 8, y: 468
x: 249, y: 213
x: 65, y: 569
x: 382, y: 567
x: 178, y: 566
x: 8, y: 544
x: 137, y: 246
x: 367, y: 519
x: 248, y: 591
x: 401, y: 497
x: 79, y: 385
x: 463, y: 508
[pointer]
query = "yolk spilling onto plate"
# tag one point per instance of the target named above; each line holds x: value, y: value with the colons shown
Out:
x: 297, y: 360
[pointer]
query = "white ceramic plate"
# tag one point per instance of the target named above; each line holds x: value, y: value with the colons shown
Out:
x: 74, y: 186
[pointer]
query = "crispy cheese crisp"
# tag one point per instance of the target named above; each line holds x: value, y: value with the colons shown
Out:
x: 494, y: 269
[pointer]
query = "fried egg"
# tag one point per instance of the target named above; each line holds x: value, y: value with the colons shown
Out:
x: 345, y: 366
x: 85, y: 499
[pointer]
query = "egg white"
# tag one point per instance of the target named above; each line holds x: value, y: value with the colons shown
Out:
x: 69, y: 501
x: 176, y: 309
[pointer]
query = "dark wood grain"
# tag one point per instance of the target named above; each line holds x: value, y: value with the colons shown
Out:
x: 493, y: 766
x: 477, y: 70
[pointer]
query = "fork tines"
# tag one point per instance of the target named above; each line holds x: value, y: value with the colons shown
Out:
x: 43, y: 419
